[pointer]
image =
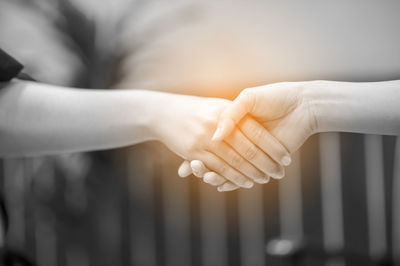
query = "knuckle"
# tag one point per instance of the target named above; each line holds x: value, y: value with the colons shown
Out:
x: 259, y: 133
x: 248, y: 95
x: 223, y: 168
x: 274, y: 145
x: 236, y: 160
x: 251, y: 152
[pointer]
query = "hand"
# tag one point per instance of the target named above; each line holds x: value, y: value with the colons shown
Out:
x: 186, y: 124
x: 282, y: 108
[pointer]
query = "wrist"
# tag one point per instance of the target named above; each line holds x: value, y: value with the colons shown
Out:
x: 147, y: 107
x: 157, y: 111
x: 314, y: 94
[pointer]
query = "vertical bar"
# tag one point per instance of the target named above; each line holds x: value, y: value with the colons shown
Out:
x: 14, y: 196
x: 396, y: 205
x: 108, y: 221
x: 2, y: 216
x: 41, y: 173
x: 75, y: 256
x: 290, y: 201
x: 312, y: 198
x: 195, y: 225
x: 331, y: 190
x: 141, y: 178
x: 251, y: 226
x: 213, y: 226
x: 375, y: 196
x: 176, y: 213
x: 232, y: 221
x: 271, y: 218
x: 46, y: 239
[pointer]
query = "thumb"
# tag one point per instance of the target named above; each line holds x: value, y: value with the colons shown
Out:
x: 233, y: 114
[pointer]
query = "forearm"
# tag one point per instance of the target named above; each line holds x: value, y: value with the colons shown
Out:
x: 38, y: 119
x: 368, y: 107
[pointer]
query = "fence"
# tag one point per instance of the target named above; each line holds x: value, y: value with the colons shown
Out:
x: 128, y: 207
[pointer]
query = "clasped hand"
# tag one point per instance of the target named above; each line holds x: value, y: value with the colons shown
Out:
x: 256, y: 133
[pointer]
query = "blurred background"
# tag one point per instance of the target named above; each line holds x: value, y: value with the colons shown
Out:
x: 339, y: 203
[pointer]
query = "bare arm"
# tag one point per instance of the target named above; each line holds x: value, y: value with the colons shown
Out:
x: 364, y: 107
x: 38, y: 119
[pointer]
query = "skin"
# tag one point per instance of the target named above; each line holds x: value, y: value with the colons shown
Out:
x: 294, y: 111
x: 38, y: 119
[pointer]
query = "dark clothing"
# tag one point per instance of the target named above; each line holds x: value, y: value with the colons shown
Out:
x: 9, y: 67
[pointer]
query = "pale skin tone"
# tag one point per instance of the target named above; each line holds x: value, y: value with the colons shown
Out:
x: 293, y: 111
x: 38, y: 119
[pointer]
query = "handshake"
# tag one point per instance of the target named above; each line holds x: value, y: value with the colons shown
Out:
x: 257, y: 132
x: 228, y: 144
x: 235, y: 144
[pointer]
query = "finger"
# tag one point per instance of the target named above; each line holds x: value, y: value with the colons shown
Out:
x: 262, y: 181
x: 234, y: 159
x: 213, y: 178
x: 198, y: 168
x: 233, y: 114
x: 228, y: 186
x: 265, y: 140
x: 216, y: 164
x: 184, y: 169
x: 254, y: 155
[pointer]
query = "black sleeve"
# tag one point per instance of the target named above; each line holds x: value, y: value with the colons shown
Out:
x: 9, y: 67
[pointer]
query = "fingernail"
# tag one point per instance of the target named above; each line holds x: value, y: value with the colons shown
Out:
x: 286, y: 160
x: 197, y: 168
x: 208, y: 178
x: 248, y: 184
x: 263, y: 180
x: 279, y: 175
x: 226, y: 187
x: 184, y: 170
x: 217, y: 135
